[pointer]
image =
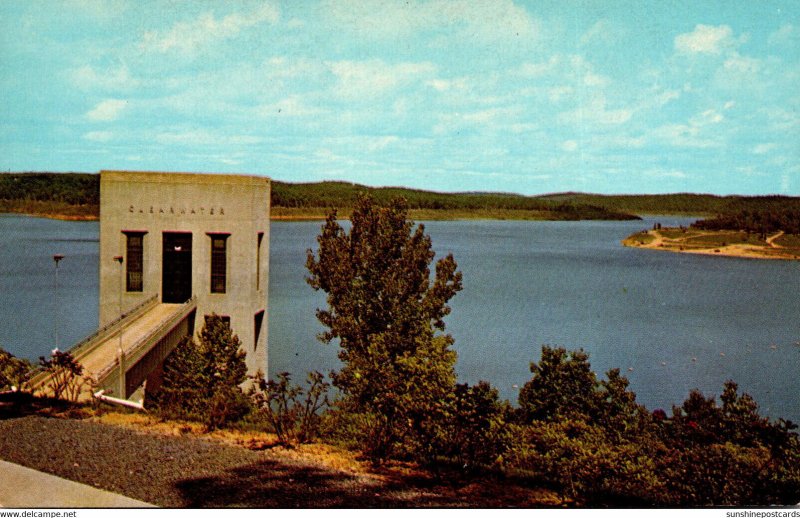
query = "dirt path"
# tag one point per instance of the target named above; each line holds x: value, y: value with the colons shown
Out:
x: 771, y: 239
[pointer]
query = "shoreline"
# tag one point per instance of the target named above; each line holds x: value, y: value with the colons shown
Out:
x: 656, y: 240
x: 314, y: 214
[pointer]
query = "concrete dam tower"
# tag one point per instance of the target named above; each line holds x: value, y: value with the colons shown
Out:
x: 170, y: 238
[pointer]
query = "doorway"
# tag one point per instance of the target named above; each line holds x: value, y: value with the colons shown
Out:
x: 176, y: 272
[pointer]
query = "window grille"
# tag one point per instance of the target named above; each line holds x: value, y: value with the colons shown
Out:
x: 135, y: 261
x: 218, y: 263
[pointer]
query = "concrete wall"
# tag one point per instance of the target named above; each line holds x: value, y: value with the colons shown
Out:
x: 156, y: 203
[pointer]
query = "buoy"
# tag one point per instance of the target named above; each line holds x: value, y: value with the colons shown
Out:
x: 694, y: 359
x: 663, y: 363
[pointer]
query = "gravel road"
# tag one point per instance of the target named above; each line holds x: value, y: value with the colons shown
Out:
x: 188, y: 471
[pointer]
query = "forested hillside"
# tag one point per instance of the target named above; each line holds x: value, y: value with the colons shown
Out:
x: 66, y: 194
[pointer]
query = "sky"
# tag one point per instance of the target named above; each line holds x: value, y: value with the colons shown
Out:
x: 449, y: 95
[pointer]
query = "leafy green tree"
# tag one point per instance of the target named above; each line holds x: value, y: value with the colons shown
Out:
x: 385, y: 310
x: 563, y: 385
x: 201, y: 380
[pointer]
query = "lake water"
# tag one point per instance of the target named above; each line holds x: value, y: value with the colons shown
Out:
x: 670, y: 322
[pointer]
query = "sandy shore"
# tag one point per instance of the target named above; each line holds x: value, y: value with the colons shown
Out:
x: 655, y: 240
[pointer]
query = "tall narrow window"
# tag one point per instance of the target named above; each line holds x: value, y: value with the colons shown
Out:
x: 219, y: 262
x: 258, y: 260
x: 135, y: 261
x: 258, y: 321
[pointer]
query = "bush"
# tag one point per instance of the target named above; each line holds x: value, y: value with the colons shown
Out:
x: 65, y: 375
x: 201, y: 380
x: 479, y: 434
x: 14, y: 372
x: 294, y: 419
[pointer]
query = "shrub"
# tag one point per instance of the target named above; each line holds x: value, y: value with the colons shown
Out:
x: 201, y: 380
x: 65, y: 375
x: 292, y: 412
x: 14, y: 372
x: 478, y: 434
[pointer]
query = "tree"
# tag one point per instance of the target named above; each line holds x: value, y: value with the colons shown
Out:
x: 14, y: 372
x: 563, y: 385
x: 385, y: 310
x: 65, y: 375
x: 202, y: 380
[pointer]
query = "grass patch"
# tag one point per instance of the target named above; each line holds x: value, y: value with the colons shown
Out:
x: 788, y: 241
x: 719, y: 239
x: 676, y: 233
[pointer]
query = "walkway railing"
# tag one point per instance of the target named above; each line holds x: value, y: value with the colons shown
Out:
x: 84, y: 346
x: 135, y: 352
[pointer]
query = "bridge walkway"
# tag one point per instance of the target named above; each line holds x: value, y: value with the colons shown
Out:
x: 139, y: 341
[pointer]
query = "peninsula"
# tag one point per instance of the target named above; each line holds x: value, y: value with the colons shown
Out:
x: 729, y: 243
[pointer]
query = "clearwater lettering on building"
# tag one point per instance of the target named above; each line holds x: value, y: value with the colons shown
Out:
x: 188, y: 235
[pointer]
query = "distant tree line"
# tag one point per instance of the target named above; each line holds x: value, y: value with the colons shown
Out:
x: 84, y: 189
x: 70, y: 188
x: 762, y: 222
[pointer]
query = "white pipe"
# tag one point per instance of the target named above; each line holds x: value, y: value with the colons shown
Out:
x: 117, y: 401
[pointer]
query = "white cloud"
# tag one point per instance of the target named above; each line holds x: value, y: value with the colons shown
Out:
x: 595, y: 111
x: 706, y: 118
x: 108, y: 110
x: 742, y: 65
x: 682, y: 135
x: 601, y: 31
x: 87, y: 77
x: 292, y: 106
x: 98, y: 136
x: 205, y: 137
x: 367, y: 79
x: 189, y: 36
x: 662, y: 173
x: 705, y: 39
x: 466, y: 19
x: 762, y: 149
x: 787, y: 34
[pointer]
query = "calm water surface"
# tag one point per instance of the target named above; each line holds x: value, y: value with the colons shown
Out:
x: 669, y: 322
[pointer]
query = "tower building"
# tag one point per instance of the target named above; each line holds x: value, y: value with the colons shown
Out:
x: 182, y: 235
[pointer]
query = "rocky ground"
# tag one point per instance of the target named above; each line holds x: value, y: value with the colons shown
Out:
x: 157, y: 464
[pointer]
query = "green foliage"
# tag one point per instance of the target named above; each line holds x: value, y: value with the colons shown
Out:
x: 761, y: 220
x: 65, y: 375
x: 384, y: 309
x: 294, y: 420
x: 343, y: 195
x: 201, y: 380
x: 479, y: 434
x: 563, y: 385
x: 14, y: 372
x: 586, y: 462
x: 71, y: 188
x: 595, y: 442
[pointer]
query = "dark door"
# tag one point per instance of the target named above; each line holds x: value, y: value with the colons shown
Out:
x: 176, y: 274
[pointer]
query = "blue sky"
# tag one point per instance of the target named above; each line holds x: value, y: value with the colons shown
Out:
x: 449, y: 95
